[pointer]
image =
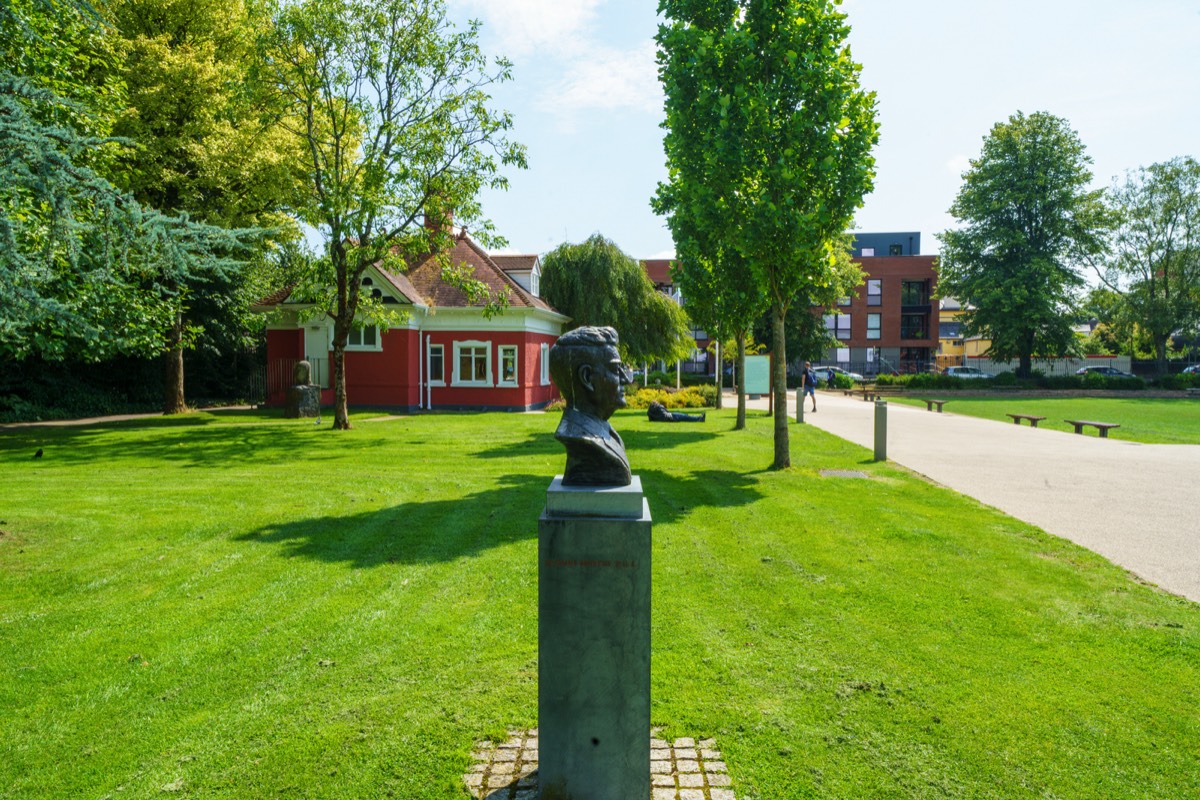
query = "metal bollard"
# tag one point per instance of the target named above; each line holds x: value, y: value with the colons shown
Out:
x: 800, y: 406
x: 881, y: 430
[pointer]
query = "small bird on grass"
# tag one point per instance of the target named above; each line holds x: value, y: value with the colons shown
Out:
x: 38, y: 454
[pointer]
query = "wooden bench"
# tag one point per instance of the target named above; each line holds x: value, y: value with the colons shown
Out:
x: 929, y: 404
x: 1033, y: 421
x: 1100, y: 426
x: 1193, y: 392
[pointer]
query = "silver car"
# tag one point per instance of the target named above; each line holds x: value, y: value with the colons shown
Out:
x: 968, y: 372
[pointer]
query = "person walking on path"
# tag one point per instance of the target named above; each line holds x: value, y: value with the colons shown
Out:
x: 809, y: 380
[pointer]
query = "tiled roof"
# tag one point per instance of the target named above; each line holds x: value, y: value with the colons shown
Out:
x: 426, y: 277
x: 658, y: 270
x: 520, y: 263
x: 423, y: 283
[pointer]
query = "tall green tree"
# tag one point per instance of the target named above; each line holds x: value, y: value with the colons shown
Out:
x: 1154, y: 260
x: 595, y: 283
x: 392, y: 105
x: 207, y: 142
x: 75, y: 249
x: 766, y: 120
x: 1028, y: 226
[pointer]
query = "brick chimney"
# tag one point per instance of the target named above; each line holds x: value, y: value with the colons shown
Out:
x: 436, y: 221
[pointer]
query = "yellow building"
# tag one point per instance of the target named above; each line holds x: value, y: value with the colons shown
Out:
x: 953, y: 348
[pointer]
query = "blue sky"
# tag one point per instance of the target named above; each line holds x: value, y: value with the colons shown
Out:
x: 588, y: 105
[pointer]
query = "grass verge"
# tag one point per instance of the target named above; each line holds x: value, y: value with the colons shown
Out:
x: 1149, y: 420
x: 238, y: 606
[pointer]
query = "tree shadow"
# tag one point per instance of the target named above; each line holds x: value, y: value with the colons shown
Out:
x: 416, y: 532
x: 674, y: 496
x: 544, y: 443
x: 183, y: 441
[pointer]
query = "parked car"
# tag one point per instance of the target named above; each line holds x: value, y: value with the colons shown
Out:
x: 823, y: 373
x: 1108, y: 372
x: 1194, y: 369
x: 968, y: 372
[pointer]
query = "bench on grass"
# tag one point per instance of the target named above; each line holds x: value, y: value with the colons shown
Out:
x: 929, y: 404
x: 1103, y: 427
x: 1193, y: 391
x: 1033, y: 420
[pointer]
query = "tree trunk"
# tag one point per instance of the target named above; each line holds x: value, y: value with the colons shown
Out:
x: 739, y: 381
x: 341, y: 413
x: 1160, y: 356
x: 720, y: 377
x: 173, y: 400
x: 783, y: 456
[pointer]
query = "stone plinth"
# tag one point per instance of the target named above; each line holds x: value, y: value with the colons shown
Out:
x: 303, y: 401
x: 594, y: 643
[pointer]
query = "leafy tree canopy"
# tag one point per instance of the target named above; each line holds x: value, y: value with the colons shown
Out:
x: 1154, y: 262
x: 1028, y: 225
x: 75, y: 250
x: 391, y: 104
x: 768, y: 147
x: 595, y: 283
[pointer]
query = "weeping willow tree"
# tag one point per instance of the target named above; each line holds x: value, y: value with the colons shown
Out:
x: 595, y: 283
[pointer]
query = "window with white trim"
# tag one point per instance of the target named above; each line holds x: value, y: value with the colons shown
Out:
x: 535, y: 282
x: 437, y: 364
x: 366, y: 338
x: 508, y: 365
x: 472, y: 364
x: 545, y: 363
x: 873, y: 325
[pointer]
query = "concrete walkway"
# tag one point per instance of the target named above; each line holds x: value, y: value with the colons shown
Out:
x: 1134, y: 504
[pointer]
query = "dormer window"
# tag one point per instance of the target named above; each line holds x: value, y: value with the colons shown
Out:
x: 535, y: 282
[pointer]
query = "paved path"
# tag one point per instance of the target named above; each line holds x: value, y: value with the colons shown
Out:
x: 1134, y: 504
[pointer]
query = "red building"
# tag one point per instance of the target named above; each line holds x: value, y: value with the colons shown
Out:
x: 891, y: 323
x: 658, y: 270
x: 446, y: 355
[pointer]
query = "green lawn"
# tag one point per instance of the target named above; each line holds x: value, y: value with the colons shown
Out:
x: 1149, y: 420
x: 236, y: 606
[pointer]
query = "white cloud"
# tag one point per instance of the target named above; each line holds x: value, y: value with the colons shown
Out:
x: 608, y: 80
x: 528, y: 26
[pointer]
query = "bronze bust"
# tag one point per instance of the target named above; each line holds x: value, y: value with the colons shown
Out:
x: 587, y: 369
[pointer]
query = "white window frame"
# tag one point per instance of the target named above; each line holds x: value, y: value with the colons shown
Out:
x: 441, y: 349
x: 545, y: 364
x: 535, y: 281
x: 877, y: 331
x: 360, y: 347
x: 516, y: 379
x: 473, y: 344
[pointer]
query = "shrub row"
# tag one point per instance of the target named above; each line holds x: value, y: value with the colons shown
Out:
x: 928, y: 380
x: 704, y: 396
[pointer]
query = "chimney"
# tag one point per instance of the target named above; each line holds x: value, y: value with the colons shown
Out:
x: 439, y: 221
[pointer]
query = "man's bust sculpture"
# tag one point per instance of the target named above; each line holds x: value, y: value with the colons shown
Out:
x: 587, y: 370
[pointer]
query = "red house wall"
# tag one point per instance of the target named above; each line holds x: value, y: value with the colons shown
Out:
x: 284, y: 348
x: 392, y: 375
x: 530, y: 393
x: 386, y: 377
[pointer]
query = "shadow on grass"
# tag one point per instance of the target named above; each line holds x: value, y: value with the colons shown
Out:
x: 449, y: 528
x: 416, y: 532
x: 544, y: 443
x: 186, y: 440
x: 673, y: 496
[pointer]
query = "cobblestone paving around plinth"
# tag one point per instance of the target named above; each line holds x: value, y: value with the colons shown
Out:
x: 685, y: 769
